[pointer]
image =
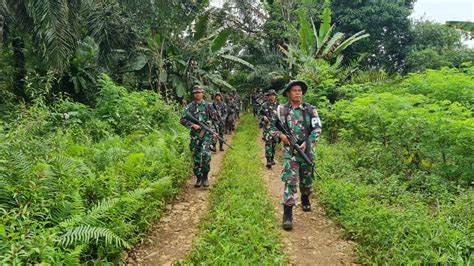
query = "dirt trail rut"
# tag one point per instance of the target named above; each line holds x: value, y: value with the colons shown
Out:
x: 171, y: 237
x: 315, y: 239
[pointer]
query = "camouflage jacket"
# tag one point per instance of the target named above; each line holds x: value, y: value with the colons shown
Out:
x: 231, y: 104
x: 221, y: 109
x: 202, y: 111
x: 268, y: 110
x: 296, y: 120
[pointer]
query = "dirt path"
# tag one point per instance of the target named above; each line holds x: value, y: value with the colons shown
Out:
x: 172, y: 236
x: 315, y: 239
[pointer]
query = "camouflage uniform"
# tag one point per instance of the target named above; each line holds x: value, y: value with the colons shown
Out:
x: 268, y: 109
x: 294, y: 167
x: 221, y: 111
x: 231, y: 113
x: 200, y: 140
x: 238, y: 103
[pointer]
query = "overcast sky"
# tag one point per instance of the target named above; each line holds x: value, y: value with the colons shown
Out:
x: 444, y: 10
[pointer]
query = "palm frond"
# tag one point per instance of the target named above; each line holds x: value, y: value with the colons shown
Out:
x: 53, y: 30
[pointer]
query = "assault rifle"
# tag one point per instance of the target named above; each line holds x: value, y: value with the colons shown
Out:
x: 204, y: 126
x: 293, y: 143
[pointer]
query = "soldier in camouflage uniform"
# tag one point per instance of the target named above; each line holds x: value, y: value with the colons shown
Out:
x: 261, y: 122
x: 231, y: 113
x: 267, y: 111
x: 259, y: 100
x: 200, y: 140
x: 221, y: 110
x: 302, y: 121
x: 238, y: 103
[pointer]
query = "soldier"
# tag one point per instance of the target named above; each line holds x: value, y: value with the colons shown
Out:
x: 261, y: 122
x: 231, y: 113
x: 200, y: 139
x: 301, y: 121
x: 238, y: 103
x: 221, y: 111
x: 259, y: 100
x: 267, y: 111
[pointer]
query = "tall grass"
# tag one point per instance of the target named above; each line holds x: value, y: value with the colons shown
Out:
x: 240, y: 228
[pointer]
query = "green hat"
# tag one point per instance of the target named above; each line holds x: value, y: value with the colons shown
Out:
x: 270, y: 92
x: 293, y: 83
x: 218, y: 93
x: 198, y: 88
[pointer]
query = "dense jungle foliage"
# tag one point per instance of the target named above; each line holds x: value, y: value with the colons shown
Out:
x: 91, y: 91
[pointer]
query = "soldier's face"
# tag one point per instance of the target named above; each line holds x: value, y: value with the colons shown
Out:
x: 198, y: 96
x: 295, y: 93
x: 272, y: 97
x: 218, y: 98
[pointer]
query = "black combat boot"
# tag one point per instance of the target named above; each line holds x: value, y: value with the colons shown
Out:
x: 305, y: 204
x: 221, y: 147
x: 273, y: 159
x: 213, y: 148
x: 198, y: 182
x: 205, y: 180
x: 287, y: 217
x: 269, y: 162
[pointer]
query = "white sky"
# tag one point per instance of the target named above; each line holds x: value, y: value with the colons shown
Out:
x: 444, y: 10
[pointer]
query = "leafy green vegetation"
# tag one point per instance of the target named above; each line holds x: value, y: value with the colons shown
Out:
x: 240, y: 227
x: 80, y: 184
x: 90, y: 145
x: 399, y: 175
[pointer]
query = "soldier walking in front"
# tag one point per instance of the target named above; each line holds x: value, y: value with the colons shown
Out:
x: 302, y: 127
x: 200, y: 144
x: 267, y: 111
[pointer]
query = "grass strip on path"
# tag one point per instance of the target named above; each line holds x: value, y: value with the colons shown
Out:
x: 240, y: 227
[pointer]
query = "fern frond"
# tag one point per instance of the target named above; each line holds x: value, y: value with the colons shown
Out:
x: 99, y: 210
x: 86, y: 233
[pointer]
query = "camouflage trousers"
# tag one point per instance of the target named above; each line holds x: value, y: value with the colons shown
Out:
x: 201, y: 149
x: 270, y: 144
x: 296, y: 173
x: 221, y: 134
x: 230, y: 123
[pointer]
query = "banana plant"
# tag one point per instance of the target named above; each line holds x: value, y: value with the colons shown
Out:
x: 207, y: 50
x: 320, y: 43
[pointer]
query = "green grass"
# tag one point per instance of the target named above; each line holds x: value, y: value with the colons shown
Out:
x: 389, y: 223
x: 240, y: 227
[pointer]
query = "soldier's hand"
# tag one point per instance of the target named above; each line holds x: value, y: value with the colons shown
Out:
x: 284, y: 139
x: 303, y: 146
x: 266, y: 119
x: 196, y: 127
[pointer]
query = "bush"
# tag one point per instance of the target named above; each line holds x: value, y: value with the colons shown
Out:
x: 390, y: 221
x: 79, y: 184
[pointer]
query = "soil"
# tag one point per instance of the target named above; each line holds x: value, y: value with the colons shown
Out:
x: 172, y: 236
x: 315, y: 239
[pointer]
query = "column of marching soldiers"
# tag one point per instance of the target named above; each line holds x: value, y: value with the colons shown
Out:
x: 295, y: 124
